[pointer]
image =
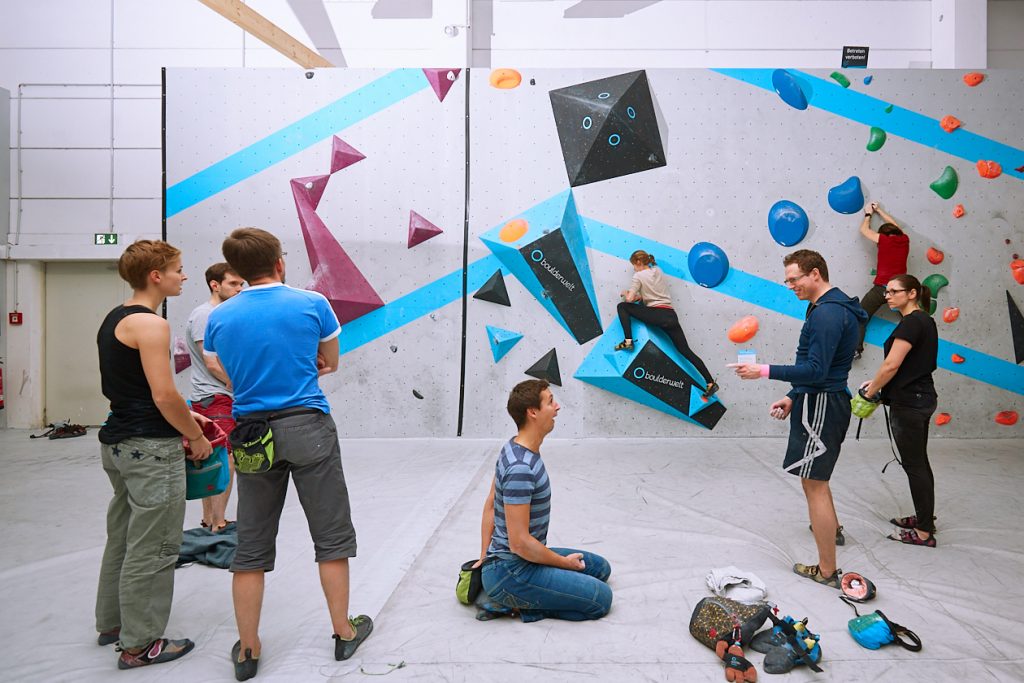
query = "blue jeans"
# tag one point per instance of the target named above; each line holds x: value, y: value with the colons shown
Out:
x: 539, y: 591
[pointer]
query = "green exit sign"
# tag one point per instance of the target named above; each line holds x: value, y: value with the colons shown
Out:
x: 104, y: 238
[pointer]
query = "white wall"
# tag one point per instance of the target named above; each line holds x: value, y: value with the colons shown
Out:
x: 86, y: 154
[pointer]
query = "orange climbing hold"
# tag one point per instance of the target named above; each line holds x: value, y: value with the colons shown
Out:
x: 1017, y: 268
x: 950, y: 314
x: 743, y: 330
x: 974, y: 78
x: 957, y: 358
x: 1007, y: 417
x: 513, y: 230
x: 935, y: 256
x: 989, y: 169
x: 949, y: 123
x: 943, y: 419
x: 506, y: 79
x: 958, y: 211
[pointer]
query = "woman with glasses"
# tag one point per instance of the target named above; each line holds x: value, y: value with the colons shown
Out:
x: 649, y: 288
x: 905, y: 383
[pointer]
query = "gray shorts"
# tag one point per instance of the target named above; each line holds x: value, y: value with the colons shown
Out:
x: 305, y: 447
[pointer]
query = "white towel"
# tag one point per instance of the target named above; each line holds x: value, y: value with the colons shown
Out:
x: 736, y: 584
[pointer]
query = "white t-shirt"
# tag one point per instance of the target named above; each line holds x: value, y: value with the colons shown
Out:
x: 204, y: 384
x: 649, y: 284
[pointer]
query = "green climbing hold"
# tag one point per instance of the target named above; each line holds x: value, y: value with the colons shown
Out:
x: 934, y: 283
x: 888, y: 110
x: 876, y: 140
x: 840, y: 79
x: 947, y: 183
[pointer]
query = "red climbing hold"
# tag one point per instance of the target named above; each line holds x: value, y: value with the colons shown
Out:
x: 935, y: 256
x: 1017, y: 268
x: 950, y: 314
x: 949, y: 123
x: 1007, y: 417
x: 743, y: 330
x: 974, y: 78
x: 943, y: 418
x: 989, y: 169
x: 958, y: 211
x: 957, y: 358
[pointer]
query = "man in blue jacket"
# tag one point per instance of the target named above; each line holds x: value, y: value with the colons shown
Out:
x: 818, y: 405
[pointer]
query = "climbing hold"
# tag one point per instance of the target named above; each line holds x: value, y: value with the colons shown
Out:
x: 949, y: 123
x: 1016, y: 328
x: 957, y: 358
x: 935, y: 256
x: 974, y: 78
x: 1017, y: 269
x: 868, y: 79
x: 1007, y: 417
x: 417, y: 394
x: 743, y: 330
x: 708, y: 264
x: 934, y: 283
x: 943, y: 418
x: 847, y: 197
x: 950, y: 314
x: 787, y: 222
x: 513, y: 230
x: 441, y: 80
x: 888, y: 110
x: 989, y: 169
x: 840, y: 79
x: 876, y: 139
x: 420, y: 229
x: 958, y: 211
x: 505, y: 79
x: 343, y: 154
x: 788, y: 88
x: 494, y: 290
x: 946, y: 184
x: 547, y: 368
x: 501, y: 341
x: 1019, y: 169
x: 394, y: 348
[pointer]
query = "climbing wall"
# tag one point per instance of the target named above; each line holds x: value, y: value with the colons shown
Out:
x: 717, y: 173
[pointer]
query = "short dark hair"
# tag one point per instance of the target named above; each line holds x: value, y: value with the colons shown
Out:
x: 807, y: 261
x: 889, y: 229
x: 524, y: 396
x: 217, y: 272
x: 252, y: 253
x: 142, y: 257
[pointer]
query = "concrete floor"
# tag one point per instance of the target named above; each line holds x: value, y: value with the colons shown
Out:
x: 663, y: 511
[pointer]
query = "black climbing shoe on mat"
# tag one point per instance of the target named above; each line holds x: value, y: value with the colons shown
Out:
x: 813, y: 572
x: 246, y: 668
x: 157, y: 652
x: 363, y: 626
x: 840, y: 539
x: 109, y: 637
x: 624, y: 345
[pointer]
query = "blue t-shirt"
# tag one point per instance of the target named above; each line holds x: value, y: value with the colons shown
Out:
x: 266, y: 338
x: 519, y: 479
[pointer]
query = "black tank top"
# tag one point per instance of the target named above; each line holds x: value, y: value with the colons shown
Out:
x: 133, y: 412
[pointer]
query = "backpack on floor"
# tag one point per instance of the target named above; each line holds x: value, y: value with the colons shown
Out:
x: 716, y: 618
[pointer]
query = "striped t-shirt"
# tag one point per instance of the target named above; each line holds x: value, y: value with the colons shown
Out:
x: 519, y: 479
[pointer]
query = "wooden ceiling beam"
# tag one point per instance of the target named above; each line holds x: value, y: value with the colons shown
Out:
x: 255, y: 24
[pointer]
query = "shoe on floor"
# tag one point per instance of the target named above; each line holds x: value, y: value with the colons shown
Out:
x: 840, y: 539
x: 109, y: 637
x: 343, y: 649
x: 624, y: 345
x: 906, y: 522
x: 910, y: 537
x: 245, y: 669
x: 159, y: 651
x: 813, y: 572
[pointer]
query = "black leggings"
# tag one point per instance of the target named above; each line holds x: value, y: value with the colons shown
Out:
x: 666, y: 319
x: 910, y: 431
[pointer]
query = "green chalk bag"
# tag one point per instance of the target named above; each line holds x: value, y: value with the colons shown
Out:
x: 252, y: 445
x: 470, y: 583
x: 862, y: 406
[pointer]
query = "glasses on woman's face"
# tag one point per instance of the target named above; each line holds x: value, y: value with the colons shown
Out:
x: 790, y: 281
x: 893, y: 292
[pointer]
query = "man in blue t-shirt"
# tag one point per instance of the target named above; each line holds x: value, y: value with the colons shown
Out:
x: 519, y: 570
x: 274, y: 342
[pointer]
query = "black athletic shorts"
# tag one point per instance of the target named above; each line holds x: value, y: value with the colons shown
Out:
x: 817, y: 427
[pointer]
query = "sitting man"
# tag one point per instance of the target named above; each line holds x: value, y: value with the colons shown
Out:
x: 519, y: 570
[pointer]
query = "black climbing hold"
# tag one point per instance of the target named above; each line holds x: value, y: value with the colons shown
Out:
x: 547, y: 368
x: 1016, y: 328
x: 417, y: 394
x: 494, y: 290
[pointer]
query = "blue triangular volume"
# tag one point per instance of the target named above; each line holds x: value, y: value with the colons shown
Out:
x: 654, y: 374
x: 550, y: 260
x: 501, y: 341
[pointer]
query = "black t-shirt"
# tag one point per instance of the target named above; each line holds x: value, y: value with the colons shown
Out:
x: 913, y: 379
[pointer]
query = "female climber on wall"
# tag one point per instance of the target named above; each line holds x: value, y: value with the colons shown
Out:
x: 893, y: 248
x: 655, y: 308
x: 905, y: 383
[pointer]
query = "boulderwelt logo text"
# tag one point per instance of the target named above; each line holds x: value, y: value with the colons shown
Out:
x: 538, y: 256
x: 641, y: 373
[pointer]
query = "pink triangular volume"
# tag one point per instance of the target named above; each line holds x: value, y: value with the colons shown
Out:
x: 441, y: 80
x: 334, y: 274
x: 420, y: 229
x: 343, y: 154
x: 311, y: 187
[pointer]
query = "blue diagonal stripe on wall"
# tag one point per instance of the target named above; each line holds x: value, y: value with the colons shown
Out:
x: 307, y: 131
x: 850, y: 104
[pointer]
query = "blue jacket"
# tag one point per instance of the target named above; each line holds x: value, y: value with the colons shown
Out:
x: 828, y: 341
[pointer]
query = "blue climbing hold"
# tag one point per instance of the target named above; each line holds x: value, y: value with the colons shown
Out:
x: 789, y: 89
x: 847, y: 197
x: 501, y: 341
x: 787, y: 222
x: 868, y: 79
x: 708, y: 264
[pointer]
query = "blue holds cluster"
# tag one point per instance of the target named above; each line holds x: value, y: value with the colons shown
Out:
x: 708, y: 264
x: 847, y: 197
x: 789, y: 89
x: 787, y: 222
